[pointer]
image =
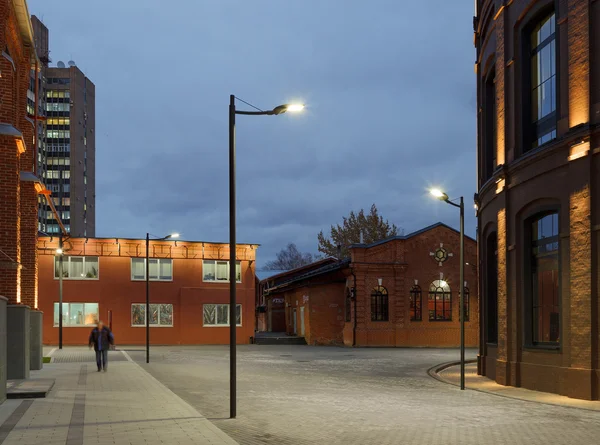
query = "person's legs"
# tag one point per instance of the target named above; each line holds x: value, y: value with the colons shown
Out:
x: 105, y: 359
x: 99, y: 360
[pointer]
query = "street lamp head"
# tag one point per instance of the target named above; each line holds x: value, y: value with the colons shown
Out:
x: 437, y: 193
x: 59, y: 251
x: 292, y: 108
x: 174, y: 235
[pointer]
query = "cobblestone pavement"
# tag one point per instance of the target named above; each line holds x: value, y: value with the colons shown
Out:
x: 126, y: 405
x: 323, y: 395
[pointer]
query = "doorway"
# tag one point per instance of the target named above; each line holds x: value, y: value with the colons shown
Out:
x: 302, y: 321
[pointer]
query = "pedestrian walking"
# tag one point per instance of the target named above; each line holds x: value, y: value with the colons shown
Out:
x: 101, y: 339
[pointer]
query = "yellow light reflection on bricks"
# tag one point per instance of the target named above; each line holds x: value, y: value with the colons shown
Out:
x: 500, y: 184
x: 20, y: 146
x: 579, y: 63
x: 502, y: 303
x: 579, y: 150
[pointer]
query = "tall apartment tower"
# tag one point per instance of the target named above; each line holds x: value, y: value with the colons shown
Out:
x: 67, y: 152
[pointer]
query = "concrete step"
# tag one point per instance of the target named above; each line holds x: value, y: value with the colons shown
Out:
x: 283, y: 340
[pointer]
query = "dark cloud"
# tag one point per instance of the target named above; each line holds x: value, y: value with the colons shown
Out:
x: 389, y: 87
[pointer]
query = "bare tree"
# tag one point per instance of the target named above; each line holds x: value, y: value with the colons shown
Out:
x: 290, y: 258
x: 355, y: 228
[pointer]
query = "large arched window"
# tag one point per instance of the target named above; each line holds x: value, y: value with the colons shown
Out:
x: 543, y: 278
x: 416, y: 301
x: 379, y: 304
x: 440, y: 301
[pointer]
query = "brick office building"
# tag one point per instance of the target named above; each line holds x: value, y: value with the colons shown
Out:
x: 18, y: 190
x: 538, y: 79
x: 104, y: 279
x: 402, y: 291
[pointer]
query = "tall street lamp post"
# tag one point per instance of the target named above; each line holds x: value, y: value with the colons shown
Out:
x: 59, y: 252
x: 444, y: 197
x: 232, y: 242
x: 173, y: 235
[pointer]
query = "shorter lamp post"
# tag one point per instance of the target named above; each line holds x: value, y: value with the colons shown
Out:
x: 173, y: 235
x: 444, y: 197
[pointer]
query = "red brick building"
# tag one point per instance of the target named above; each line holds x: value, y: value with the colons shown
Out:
x: 538, y: 78
x: 104, y: 279
x: 19, y: 82
x: 402, y: 291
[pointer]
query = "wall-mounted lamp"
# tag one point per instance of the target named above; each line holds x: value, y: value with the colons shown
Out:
x: 380, y: 281
x: 416, y: 282
x: 86, y: 240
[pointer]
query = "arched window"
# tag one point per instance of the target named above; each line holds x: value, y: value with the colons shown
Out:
x: 416, y: 301
x: 440, y: 301
x: 379, y: 304
x: 466, y: 304
x: 544, y: 291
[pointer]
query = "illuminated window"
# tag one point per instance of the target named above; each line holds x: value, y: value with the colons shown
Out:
x: 440, y: 301
x: 161, y: 269
x: 543, y: 81
x: 219, y: 271
x: 77, y: 267
x: 76, y: 314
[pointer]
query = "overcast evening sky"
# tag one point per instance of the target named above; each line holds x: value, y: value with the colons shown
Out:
x: 390, y: 94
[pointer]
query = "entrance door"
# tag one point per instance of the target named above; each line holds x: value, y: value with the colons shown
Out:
x: 295, y: 321
x: 302, y: 321
x: 270, y: 317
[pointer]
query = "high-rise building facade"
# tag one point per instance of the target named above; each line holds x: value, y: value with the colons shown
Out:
x: 538, y: 79
x: 67, y: 153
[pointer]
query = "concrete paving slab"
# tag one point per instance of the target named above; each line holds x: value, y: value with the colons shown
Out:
x: 28, y: 389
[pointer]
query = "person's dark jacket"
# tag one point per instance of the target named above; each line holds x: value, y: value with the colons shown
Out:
x: 106, y: 338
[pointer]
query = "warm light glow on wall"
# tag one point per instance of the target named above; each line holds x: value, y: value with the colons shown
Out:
x: 579, y: 63
x: 19, y: 286
x: 20, y: 146
x: 500, y: 184
x: 579, y: 150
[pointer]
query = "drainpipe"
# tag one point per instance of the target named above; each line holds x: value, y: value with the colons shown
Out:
x: 35, y: 120
x: 354, y: 327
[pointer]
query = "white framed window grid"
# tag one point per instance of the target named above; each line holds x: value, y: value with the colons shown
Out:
x: 218, y: 315
x: 218, y: 271
x: 161, y: 269
x: 161, y: 315
x: 78, y: 267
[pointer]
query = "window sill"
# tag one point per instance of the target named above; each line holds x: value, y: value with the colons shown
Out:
x: 87, y: 326
x: 436, y: 320
x: 152, y: 326
x: 143, y: 280
x: 76, y: 279
x: 220, y: 281
x: 219, y: 325
x: 542, y: 348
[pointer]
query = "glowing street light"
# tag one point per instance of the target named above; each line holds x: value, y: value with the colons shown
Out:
x: 439, y: 194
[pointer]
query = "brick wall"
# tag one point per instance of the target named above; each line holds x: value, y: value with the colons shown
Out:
x: 18, y: 201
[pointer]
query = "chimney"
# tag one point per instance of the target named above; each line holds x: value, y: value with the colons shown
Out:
x: 361, y: 237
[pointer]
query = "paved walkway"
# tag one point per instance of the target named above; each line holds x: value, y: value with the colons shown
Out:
x: 479, y: 383
x: 126, y: 405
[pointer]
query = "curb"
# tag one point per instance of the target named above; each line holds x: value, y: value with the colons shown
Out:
x: 435, y: 370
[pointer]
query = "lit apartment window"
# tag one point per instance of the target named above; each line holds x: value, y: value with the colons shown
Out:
x: 219, y: 271
x: 161, y: 269
x: 160, y: 315
x: 77, y: 267
x: 218, y: 315
x: 77, y: 314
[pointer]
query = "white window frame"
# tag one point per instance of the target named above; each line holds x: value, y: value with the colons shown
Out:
x: 221, y: 325
x: 158, y: 261
x: 153, y: 325
x: 67, y: 267
x: 67, y: 324
x: 204, y: 262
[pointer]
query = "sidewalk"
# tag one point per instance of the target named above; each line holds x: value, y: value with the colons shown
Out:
x: 126, y: 405
x: 476, y: 382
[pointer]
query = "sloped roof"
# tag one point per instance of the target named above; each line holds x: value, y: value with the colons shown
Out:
x: 405, y: 237
x: 313, y: 273
x: 294, y: 272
